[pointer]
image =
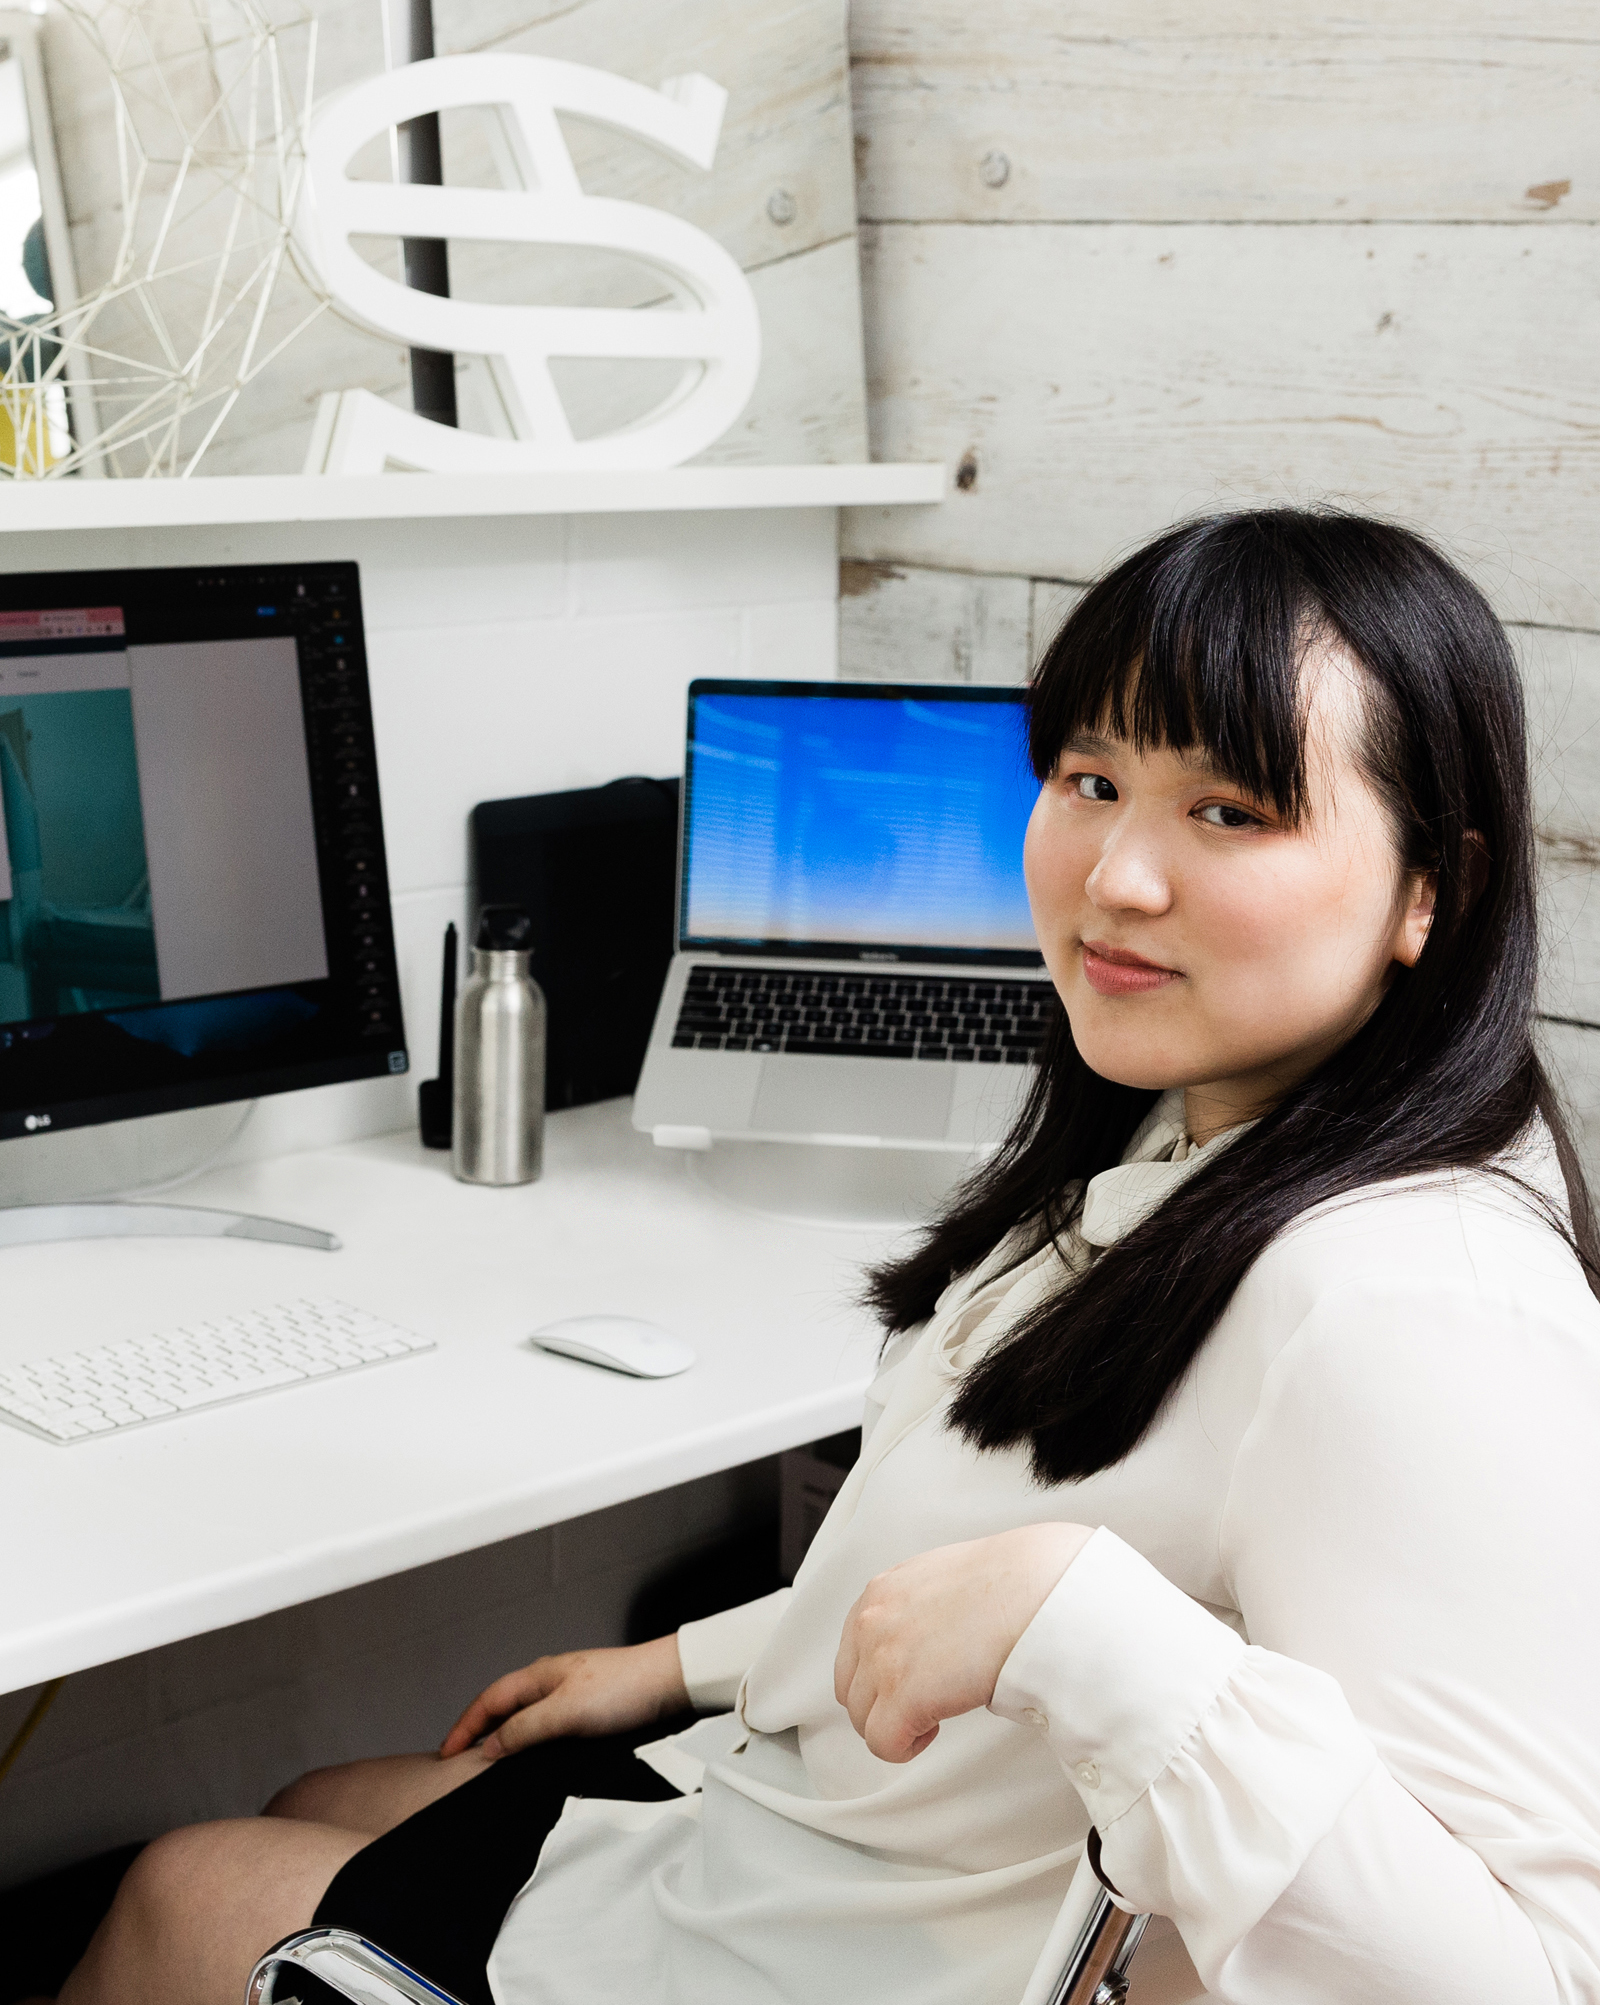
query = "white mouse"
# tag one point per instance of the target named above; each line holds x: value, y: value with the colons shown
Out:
x: 619, y: 1343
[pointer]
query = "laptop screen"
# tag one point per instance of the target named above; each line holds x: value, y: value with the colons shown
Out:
x: 872, y: 821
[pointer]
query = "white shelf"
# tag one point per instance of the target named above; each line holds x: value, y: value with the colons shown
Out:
x: 161, y: 504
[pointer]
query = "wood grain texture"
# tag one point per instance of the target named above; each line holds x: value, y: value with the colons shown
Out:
x: 787, y: 125
x: 1572, y: 1057
x: 1139, y: 110
x: 1104, y: 381
x: 1050, y: 603
x: 1561, y: 673
x: 907, y: 623
x: 899, y: 623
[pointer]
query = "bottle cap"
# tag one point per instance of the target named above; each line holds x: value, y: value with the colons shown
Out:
x: 504, y: 929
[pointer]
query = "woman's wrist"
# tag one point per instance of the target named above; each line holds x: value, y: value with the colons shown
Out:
x: 1040, y: 1556
x: 666, y: 1667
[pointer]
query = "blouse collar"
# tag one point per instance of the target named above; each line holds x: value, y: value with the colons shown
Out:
x: 1159, y: 1158
x: 976, y: 1307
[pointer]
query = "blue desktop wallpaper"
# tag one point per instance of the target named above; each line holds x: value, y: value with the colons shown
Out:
x: 892, y: 822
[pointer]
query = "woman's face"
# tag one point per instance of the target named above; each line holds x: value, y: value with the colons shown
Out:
x: 1199, y: 941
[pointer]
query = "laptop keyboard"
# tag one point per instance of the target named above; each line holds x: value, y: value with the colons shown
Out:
x: 865, y: 1016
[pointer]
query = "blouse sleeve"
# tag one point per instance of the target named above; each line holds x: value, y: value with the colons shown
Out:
x: 716, y: 1653
x: 1393, y: 1791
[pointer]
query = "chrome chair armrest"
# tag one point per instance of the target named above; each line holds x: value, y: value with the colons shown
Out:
x: 1096, y: 1969
x: 1095, y: 1972
x: 347, y: 1964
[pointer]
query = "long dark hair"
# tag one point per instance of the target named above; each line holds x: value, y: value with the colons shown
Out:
x: 1198, y: 640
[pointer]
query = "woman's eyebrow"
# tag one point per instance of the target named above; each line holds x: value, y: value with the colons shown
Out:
x: 1096, y: 745
x: 1092, y: 745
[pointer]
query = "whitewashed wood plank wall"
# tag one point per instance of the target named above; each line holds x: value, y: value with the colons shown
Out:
x: 1126, y: 260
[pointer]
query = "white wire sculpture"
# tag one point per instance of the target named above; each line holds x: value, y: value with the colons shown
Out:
x: 197, y: 293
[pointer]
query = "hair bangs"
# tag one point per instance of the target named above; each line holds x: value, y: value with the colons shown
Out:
x: 1195, y: 646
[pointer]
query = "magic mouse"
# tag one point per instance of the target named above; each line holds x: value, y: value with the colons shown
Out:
x: 619, y: 1343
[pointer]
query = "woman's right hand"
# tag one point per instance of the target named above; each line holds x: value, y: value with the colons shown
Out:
x: 584, y: 1692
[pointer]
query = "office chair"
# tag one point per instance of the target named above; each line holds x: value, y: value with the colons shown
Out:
x: 1094, y: 1971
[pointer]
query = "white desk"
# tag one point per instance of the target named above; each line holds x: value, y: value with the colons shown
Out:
x: 118, y: 1545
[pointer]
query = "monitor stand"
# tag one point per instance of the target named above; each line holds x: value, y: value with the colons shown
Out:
x: 35, y: 1224
x: 821, y: 1183
x: 96, y: 1182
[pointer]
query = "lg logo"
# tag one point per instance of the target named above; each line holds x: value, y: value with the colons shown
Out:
x: 713, y: 327
x: 34, y: 1121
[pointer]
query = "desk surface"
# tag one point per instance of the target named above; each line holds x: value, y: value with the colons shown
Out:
x: 117, y: 1545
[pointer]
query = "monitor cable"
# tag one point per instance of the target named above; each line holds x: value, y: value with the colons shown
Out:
x: 208, y: 1161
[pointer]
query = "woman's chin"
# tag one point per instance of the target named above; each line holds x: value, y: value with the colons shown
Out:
x: 1142, y: 1080
x: 1125, y: 1059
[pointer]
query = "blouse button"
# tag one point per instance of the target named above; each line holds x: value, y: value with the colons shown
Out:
x: 1035, y: 1718
x: 1088, y: 1774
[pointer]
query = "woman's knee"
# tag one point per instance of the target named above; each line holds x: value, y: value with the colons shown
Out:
x: 373, y: 1796
x: 307, y: 1798
x: 351, y: 1796
x: 160, y: 1889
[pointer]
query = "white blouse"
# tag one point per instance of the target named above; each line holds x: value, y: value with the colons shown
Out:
x: 1325, y: 1679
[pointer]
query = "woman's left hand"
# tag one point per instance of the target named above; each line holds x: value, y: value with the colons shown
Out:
x: 929, y: 1638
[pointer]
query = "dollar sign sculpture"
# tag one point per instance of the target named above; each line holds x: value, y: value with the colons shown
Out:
x: 714, y: 323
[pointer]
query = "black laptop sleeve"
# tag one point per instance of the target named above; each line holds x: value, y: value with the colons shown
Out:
x: 596, y: 870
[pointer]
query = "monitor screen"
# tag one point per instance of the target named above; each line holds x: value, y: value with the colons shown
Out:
x: 193, y: 902
x: 857, y: 821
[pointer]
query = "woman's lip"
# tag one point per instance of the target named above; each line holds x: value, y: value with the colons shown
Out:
x: 1115, y: 971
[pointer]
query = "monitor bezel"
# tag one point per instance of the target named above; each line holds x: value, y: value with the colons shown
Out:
x: 875, y: 954
x: 23, y: 589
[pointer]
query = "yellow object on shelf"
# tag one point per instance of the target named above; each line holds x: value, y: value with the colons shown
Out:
x: 24, y: 432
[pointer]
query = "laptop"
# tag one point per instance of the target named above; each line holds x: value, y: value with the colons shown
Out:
x: 855, y: 958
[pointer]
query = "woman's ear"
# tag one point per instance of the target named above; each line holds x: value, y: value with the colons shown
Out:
x: 1422, y: 892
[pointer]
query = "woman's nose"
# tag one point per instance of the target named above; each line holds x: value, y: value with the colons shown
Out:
x: 1129, y: 876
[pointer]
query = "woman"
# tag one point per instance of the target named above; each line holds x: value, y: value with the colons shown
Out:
x: 1229, y: 1484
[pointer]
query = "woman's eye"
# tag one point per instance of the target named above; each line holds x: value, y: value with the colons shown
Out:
x: 1228, y: 814
x: 1092, y: 787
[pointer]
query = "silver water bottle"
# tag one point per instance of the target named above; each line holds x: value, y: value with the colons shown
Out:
x: 497, y: 1134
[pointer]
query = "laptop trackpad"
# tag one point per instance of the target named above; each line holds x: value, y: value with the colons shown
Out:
x: 894, y: 1098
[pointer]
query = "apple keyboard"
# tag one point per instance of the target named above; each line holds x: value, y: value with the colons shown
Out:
x: 80, y: 1395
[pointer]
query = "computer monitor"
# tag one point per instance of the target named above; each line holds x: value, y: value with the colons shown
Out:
x: 193, y: 900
